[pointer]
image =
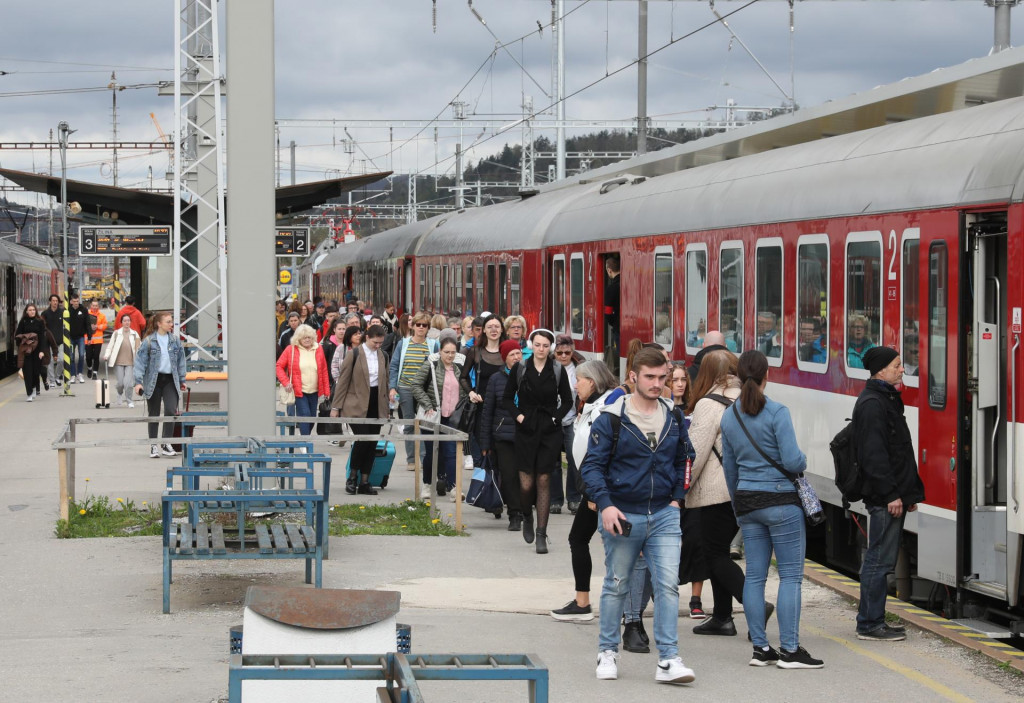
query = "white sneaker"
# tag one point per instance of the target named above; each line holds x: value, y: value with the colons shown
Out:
x: 131, y: 404
x: 607, y: 666
x: 673, y: 671
x: 167, y: 450
x: 73, y: 380
x: 425, y: 492
x: 154, y: 452
x: 81, y: 379
x: 30, y: 398
x: 467, y: 462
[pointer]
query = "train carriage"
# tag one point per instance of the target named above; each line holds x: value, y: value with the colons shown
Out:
x: 26, y: 276
x: 908, y: 235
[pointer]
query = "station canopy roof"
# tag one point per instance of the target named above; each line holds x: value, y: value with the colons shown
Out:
x: 141, y: 207
x: 983, y: 80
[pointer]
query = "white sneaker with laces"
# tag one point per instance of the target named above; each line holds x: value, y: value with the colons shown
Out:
x: 607, y: 666
x: 73, y: 380
x: 29, y: 398
x: 81, y: 379
x: 425, y: 492
x: 131, y: 404
x: 154, y: 452
x: 673, y: 671
x: 168, y: 450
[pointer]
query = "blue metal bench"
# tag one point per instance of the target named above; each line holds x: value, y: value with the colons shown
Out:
x: 195, y: 540
x: 400, y: 673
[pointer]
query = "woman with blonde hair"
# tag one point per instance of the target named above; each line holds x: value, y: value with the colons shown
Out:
x: 715, y: 390
x: 303, y: 369
x: 438, y: 323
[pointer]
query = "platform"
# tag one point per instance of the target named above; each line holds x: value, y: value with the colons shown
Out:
x: 82, y: 618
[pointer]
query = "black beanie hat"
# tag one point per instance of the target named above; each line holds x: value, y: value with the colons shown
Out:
x: 877, y: 358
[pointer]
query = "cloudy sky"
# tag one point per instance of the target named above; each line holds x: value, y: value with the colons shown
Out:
x: 383, y: 59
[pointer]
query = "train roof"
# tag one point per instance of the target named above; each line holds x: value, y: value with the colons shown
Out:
x: 962, y: 158
x: 11, y: 253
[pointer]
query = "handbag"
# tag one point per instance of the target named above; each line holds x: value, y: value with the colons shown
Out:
x: 421, y: 411
x: 485, y: 488
x: 324, y: 410
x: 286, y: 396
x: 467, y: 411
x: 804, y: 490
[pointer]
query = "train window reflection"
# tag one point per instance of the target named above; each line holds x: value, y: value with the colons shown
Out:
x: 480, y: 288
x: 457, y: 302
x: 423, y: 286
x: 730, y: 286
x: 576, y: 295
x: 470, y: 310
x: 768, y: 299
x: 503, y: 291
x: 696, y: 296
x: 663, y: 297
x: 812, y: 303
x: 514, y: 289
x: 558, y: 295
x: 863, y: 298
x: 938, y: 278
x: 909, y: 344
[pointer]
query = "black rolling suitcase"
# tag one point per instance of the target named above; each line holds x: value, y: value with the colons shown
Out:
x: 179, y: 428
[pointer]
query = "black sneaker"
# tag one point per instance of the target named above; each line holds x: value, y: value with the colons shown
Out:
x: 883, y: 634
x: 632, y: 641
x: 895, y: 628
x: 555, y: 509
x: 573, y: 612
x: 711, y: 626
x: 764, y: 657
x: 799, y: 659
x: 574, y: 505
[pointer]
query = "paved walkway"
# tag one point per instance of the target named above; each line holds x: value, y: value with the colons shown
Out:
x: 81, y: 618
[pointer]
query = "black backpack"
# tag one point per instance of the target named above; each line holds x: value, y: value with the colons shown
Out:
x: 849, y: 479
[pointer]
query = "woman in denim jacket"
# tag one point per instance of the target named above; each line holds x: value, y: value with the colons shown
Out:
x: 160, y: 375
x: 768, y: 510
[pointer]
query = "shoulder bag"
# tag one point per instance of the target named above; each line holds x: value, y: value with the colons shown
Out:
x: 808, y: 498
x: 421, y: 412
x: 286, y: 396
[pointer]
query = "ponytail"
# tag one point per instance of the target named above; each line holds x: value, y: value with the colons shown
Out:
x: 753, y: 365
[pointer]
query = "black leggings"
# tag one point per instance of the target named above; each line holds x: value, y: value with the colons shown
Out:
x: 364, y: 453
x: 168, y: 393
x: 718, y: 527
x: 584, y: 525
x: 507, y: 468
x: 32, y: 367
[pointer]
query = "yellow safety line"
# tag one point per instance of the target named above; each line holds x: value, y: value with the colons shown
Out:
x: 905, y: 671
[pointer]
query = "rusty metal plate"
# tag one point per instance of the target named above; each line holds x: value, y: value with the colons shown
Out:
x: 322, y: 608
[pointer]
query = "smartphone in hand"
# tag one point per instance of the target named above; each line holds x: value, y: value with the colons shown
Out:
x: 625, y: 527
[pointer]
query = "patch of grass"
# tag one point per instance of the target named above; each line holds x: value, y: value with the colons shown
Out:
x: 408, y: 518
x: 98, y: 516
x: 891, y: 618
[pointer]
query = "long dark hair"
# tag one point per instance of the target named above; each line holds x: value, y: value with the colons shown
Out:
x: 481, y: 340
x: 24, y: 313
x: 752, y: 367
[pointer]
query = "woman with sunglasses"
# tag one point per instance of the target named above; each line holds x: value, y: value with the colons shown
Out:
x: 538, y: 396
x: 410, y: 353
x: 483, y: 360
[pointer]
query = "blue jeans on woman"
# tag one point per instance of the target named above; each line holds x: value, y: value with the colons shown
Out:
x: 659, y: 537
x: 780, y: 528
x: 305, y: 406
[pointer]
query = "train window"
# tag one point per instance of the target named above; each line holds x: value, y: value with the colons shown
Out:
x: 491, y: 300
x: 457, y: 290
x: 435, y: 303
x: 863, y: 298
x: 910, y: 311
x: 576, y: 296
x: 480, y: 288
x: 558, y: 294
x: 812, y: 302
x: 423, y: 288
x: 446, y: 288
x: 514, y: 289
x: 696, y: 296
x: 938, y: 278
x: 730, y: 293
x: 503, y: 291
x: 663, y: 296
x: 768, y: 277
x: 470, y: 310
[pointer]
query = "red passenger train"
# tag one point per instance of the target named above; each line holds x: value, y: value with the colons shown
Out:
x: 908, y: 235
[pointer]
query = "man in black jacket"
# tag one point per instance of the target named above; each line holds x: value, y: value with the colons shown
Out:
x: 892, y: 487
x: 53, y: 316
x: 81, y: 327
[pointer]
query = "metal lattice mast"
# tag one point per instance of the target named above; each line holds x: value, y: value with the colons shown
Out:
x: 528, y: 159
x: 199, y: 253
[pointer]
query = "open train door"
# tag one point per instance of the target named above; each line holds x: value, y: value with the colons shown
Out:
x: 990, y: 543
x: 607, y: 278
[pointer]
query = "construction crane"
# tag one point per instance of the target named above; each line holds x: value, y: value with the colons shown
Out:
x: 166, y: 140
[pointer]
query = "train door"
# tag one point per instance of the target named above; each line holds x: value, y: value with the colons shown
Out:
x: 607, y: 279
x: 991, y: 550
x: 406, y: 302
x: 8, y: 350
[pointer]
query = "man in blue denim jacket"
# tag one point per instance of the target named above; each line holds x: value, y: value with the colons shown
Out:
x: 638, y: 483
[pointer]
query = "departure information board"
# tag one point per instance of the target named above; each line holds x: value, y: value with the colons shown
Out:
x: 291, y: 241
x: 125, y: 240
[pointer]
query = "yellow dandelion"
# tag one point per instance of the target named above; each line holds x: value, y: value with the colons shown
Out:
x: 82, y: 511
x: 145, y: 503
x: 404, y: 526
x: 120, y: 500
x: 87, y: 480
x: 362, y: 507
x: 436, y: 520
x: 426, y: 502
x: 336, y: 505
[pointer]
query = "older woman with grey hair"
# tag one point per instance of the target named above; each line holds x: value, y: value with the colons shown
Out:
x: 595, y: 387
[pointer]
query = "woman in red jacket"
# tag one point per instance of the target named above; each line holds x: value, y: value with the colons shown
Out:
x: 302, y: 368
